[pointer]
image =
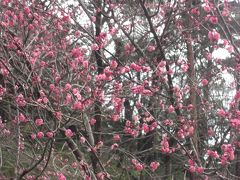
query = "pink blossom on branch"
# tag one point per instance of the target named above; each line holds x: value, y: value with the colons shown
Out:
x: 20, y: 100
x: 39, y: 122
x: 154, y: 165
x: 68, y: 133
x: 213, y: 35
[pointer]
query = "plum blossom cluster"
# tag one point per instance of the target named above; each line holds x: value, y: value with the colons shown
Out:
x: 228, y: 153
x: 154, y: 165
x: 2, y: 91
x: 213, y: 154
x: 139, y: 89
x: 235, y: 123
x: 131, y: 129
x: 165, y: 148
x: 20, y: 100
x: 137, y: 165
x: 193, y: 168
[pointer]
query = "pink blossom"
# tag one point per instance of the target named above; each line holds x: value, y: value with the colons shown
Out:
x: 225, y: 12
x: 138, y: 167
x: 114, y: 146
x: 49, y: 134
x: 230, y: 48
x: 210, y: 132
x: 30, y: 177
x: 204, y: 82
x: 223, y: 160
x: 170, y: 72
x: 116, y: 137
x: 221, y: 113
x: 112, y: 30
x: 145, y: 128
x: 100, y: 77
x: 153, y: 126
x: 170, y: 109
x: 231, y: 155
x: 67, y: 87
x: 135, y: 67
x: 45, y: 100
x: 100, y: 176
x: 168, y: 122
x: 213, y: 35
x: 213, y: 19
x: 137, y: 89
x: 39, y: 122
x: 33, y: 136
x: 2, y: 90
x: 50, y: 54
x: 94, y: 47
x: 213, y: 154
x: 190, y: 107
x: 66, y: 18
x: 88, y: 177
x: 85, y: 64
x: 82, y: 139
x: 195, y: 11
x: 61, y: 176
x: 115, y: 117
x: 2, y: 125
x: 151, y: 48
x: 154, y: 165
x: 162, y: 64
x: 138, y: 104
x: 77, y: 106
x: 92, y: 121
x: 52, y: 87
x: 30, y: 27
x: 93, y: 19
x: 68, y: 133
x: 40, y: 135
x: 75, y: 91
x: 20, y: 100
x: 228, y: 152
x: 99, y: 145
x: 76, y: 52
x: 191, y: 130
x: 77, y: 33
x: 113, y: 64
x: 237, y: 96
x: 134, y: 161
x: 128, y: 123
x: 191, y: 162
x: 74, y: 165
x: 22, y: 118
x: 235, y: 123
x: 192, y: 169
x: 184, y: 67
x: 134, y: 133
x: 181, y: 134
x: 129, y: 48
x: 6, y: 132
x: 27, y: 10
x: 107, y: 71
x: 165, y: 145
x: 58, y: 115
x: 146, y: 68
x: 146, y: 92
x: 207, y: 8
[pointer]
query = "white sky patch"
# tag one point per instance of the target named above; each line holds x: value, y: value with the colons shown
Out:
x: 220, y: 53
